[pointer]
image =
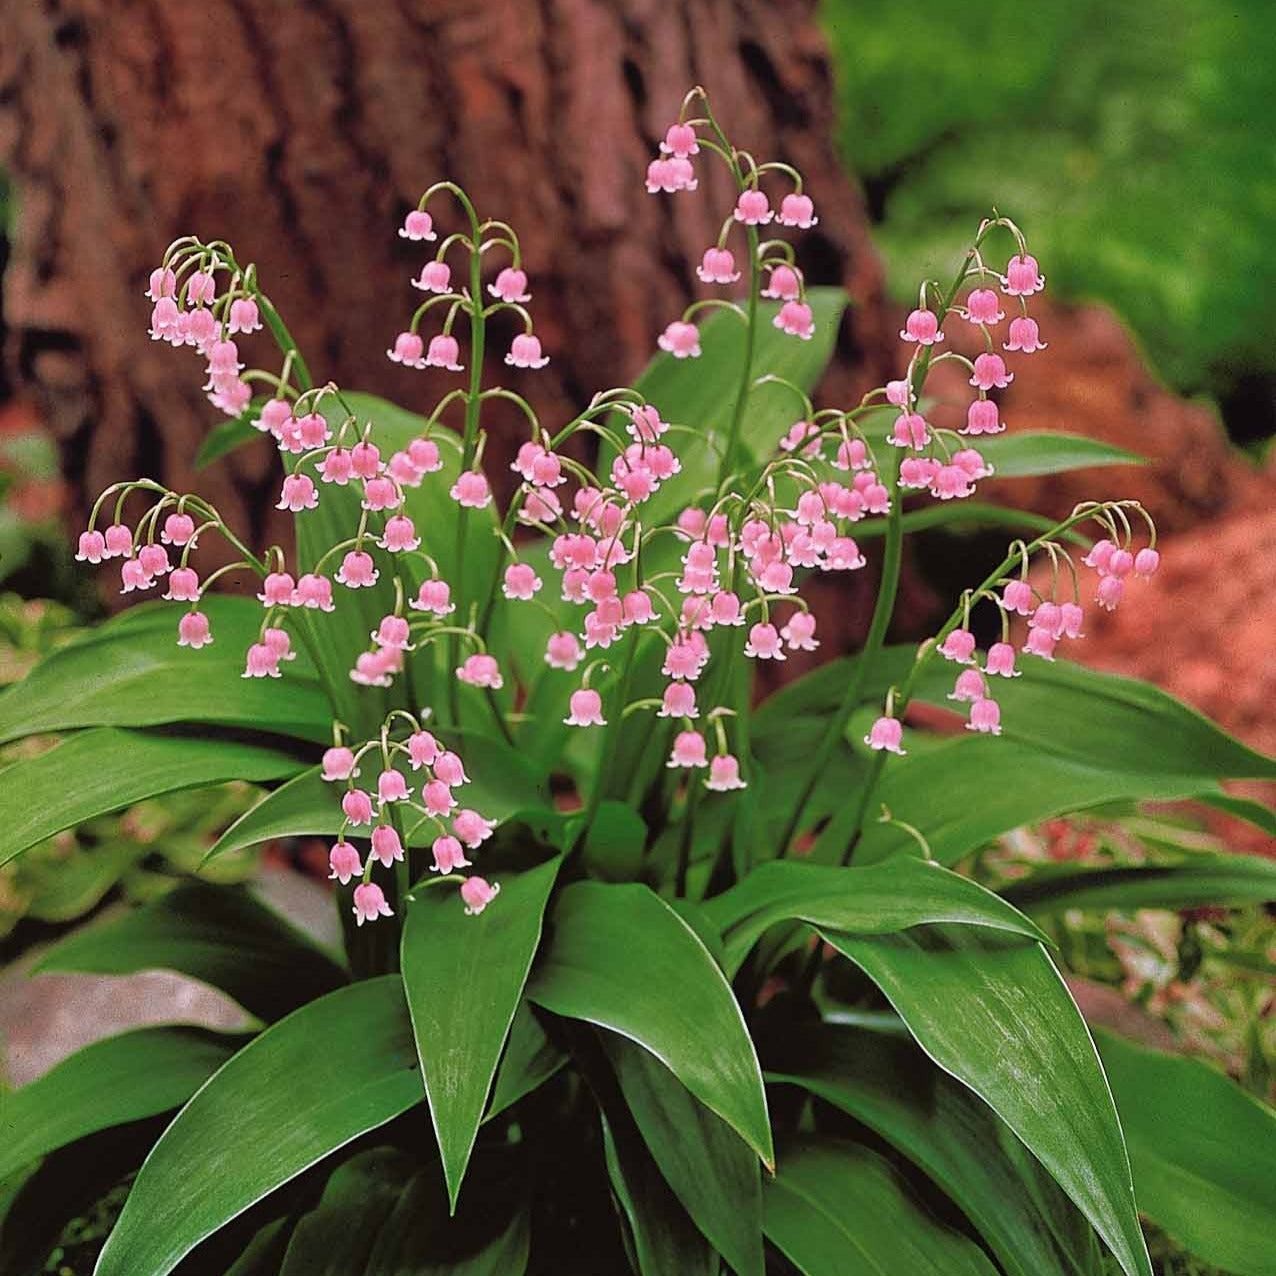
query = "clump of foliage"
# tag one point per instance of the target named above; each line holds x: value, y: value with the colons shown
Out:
x: 638, y: 974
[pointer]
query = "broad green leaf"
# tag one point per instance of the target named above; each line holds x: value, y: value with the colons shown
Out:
x: 835, y: 1208
x: 968, y: 790
x: 1097, y: 719
x: 619, y: 957
x: 662, y: 1236
x: 219, y: 935
x: 120, y: 1079
x: 875, y: 900
x: 886, y: 1083
x: 336, y: 1237
x: 994, y: 1013
x: 1203, y: 1153
x: 502, y: 781
x: 329, y: 1072
x: 1072, y: 738
x: 1020, y: 453
x: 530, y: 1059
x: 490, y: 1236
x: 105, y: 769
x: 464, y: 977
x: 1109, y: 721
x: 130, y: 672
x: 711, y: 1170
x: 1195, y: 880
x: 615, y: 842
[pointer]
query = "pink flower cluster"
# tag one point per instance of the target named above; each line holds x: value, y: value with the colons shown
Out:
x: 744, y: 547
x: 951, y: 472
x: 458, y: 828
x: 435, y: 278
x: 189, y: 311
x: 672, y: 171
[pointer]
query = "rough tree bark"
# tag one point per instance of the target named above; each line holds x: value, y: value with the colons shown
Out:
x: 302, y: 132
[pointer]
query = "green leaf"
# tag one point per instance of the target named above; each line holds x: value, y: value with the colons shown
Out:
x: 464, y: 978
x: 130, y: 672
x: 621, y: 958
x: 615, y: 842
x: 1109, y: 721
x: 219, y: 935
x: 111, y: 1082
x: 229, y: 436
x: 885, y: 1082
x: 1020, y: 453
x: 956, y: 793
x: 490, y: 1235
x: 106, y: 769
x: 1072, y: 738
x: 502, y: 781
x: 1096, y: 719
x: 974, y: 513
x: 336, y: 1237
x: 834, y: 1208
x: 1195, y: 880
x: 711, y: 1171
x: 995, y: 1014
x: 530, y: 1059
x: 876, y: 900
x: 663, y: 1237
x: 1203, y: 1153
x: 329, y: 1072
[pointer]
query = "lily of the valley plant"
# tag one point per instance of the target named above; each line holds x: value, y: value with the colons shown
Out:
x: 639, y: 974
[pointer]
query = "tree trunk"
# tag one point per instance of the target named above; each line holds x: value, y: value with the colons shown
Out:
x: 301, y: 133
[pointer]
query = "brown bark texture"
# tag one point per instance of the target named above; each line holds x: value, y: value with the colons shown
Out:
x: 301, y: 132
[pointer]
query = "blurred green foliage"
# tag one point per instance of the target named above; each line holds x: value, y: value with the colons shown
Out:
x: 1134, y: 142
x: 135, y: 855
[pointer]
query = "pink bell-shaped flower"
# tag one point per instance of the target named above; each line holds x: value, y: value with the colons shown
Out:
x: 370, y: 902
x: 922, y: 326
x: 478, y: 894
x: 886, y: 734
x: 682, y: 340
x: 689, y: 750
x: 193, y: 631
x: 344, y: 862
x: 586, y: 709
x: 724, y: 772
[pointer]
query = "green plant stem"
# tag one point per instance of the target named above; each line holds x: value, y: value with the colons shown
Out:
x: 873, y: 644
x: 726, y: 468
x: 887, y: 592
x: 611, y: 739
x: 927, y: 653
x: 284, y: 340
x: 469, y: 443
